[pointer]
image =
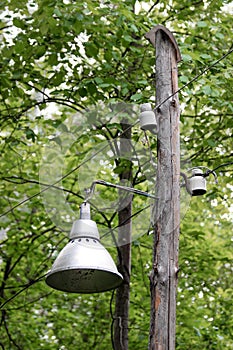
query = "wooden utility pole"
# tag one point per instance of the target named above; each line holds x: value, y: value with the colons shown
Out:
x: 163, y: 278
x: 121, y: 317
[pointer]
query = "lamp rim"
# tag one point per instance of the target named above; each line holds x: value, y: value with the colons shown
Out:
x: 118, y: 281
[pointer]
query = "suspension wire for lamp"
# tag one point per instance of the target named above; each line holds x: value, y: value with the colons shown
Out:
x: 122, y: 133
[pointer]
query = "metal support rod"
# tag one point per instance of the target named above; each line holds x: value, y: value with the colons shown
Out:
x: 91, y: 190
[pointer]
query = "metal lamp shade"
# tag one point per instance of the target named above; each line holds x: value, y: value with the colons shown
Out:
x: 84, y: 265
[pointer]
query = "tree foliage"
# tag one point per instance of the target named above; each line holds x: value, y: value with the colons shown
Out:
x: 70, y: 71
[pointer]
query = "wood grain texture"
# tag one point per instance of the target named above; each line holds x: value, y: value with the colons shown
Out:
x: 163, y: 278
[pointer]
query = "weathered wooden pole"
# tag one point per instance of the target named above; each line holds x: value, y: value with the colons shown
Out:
x: 163, y: 278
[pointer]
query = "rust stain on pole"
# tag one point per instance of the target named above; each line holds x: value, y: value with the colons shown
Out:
x: 157, y: 302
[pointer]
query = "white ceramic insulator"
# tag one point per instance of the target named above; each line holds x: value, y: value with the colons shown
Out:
x: 147, y: 118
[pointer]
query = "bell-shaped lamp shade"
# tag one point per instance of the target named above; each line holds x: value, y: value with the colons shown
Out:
x: 84, y: 265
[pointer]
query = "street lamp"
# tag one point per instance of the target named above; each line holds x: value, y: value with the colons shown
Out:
x: 84, y: 265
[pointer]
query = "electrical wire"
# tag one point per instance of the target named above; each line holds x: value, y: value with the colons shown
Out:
x: 125, y: 221
x: 31, y: 283
x: 66, y: 175
x: 122, y: 133
x: 53, y: 184
x: 218, y: 167
x: 196, y: 77
x: 91, y: 157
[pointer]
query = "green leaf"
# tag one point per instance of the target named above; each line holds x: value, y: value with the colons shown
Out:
x: 205, y: 56
x: 52, y: 58
x: 98, y: 80
x: 57, y: 12
x: 184, y: 79
x: 44, y: 28
x: 136, y: 97
x: 134, y: 28
x: 219, y: 35
x: 19, y: 23
x: 77, y: 137
x: 82, y: 92
x: 127, y: 38
x: 30, y: 135
x: 91, y: 88
x: 207, y: 89
x: 91, y: 50
x: 197, y: 331
x: 202, y: 24
x: 59, y: 78
x: 211, y: 142
x: 186, y: 57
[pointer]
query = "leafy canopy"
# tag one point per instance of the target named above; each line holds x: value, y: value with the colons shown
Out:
x: 67, y: 69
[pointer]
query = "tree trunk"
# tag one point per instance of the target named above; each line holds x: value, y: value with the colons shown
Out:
x: 163, y: 278
x: 124, y: 248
